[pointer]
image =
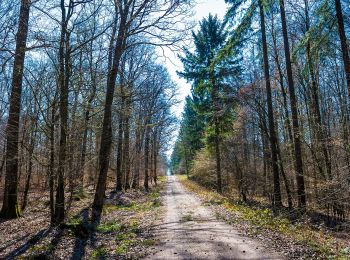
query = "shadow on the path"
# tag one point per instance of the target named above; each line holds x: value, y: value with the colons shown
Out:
x: 13, y: 242
x: 82, y: 238
x: 31, y: 242
x: 84, y: 232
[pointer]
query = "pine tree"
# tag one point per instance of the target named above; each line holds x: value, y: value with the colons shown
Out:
x: 209, y: 84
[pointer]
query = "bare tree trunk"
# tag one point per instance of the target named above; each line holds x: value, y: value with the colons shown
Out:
x: 86, y: 128
x: 265, y: 158
x: 285, y: 179
x: 294, y: 109
x: 51, y: 170
x: 63, y: 111
x: 106, y: 136
x: 343, y: 42
x: 2, y: 163
x: 87, y: 115
x: 145, y: 184
x: 155, y: 155
x: 72, y: 144
x: 151, y: 159
x: 273, y: 138
x: 284, y: 94
x: 10, y: 207
x: 119, y: 173
x: 126, y: 156
x: 30, y: 166
x: 136, y: 175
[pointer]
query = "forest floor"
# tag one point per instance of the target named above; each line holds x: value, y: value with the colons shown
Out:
x: 178, y: 219
x: 123, y: 231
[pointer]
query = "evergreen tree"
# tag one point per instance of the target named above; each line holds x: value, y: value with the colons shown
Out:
x: 192, y: 128
x: 191, y: 135
x: 210, y: 83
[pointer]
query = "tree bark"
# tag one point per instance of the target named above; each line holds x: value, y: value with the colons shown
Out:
x: 63, y: 112
x: 145, y: 184
x: 343, y: 42
x: 273, y: 138
x: 106, y: 136
x: 51, y: 172
x: 294, y: 109
x: 10, y: 208
x: 30, y: 166
x: 136, y: 175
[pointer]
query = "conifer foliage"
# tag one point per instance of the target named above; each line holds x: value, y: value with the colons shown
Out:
x: 210, y: 87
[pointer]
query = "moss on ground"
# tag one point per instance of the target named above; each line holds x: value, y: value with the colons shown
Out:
x: 108, y: 227
x: 99, y: 253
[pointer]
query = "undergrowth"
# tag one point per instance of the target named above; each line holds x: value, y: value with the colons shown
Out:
x: 128, y: 231
x: 123, y: 231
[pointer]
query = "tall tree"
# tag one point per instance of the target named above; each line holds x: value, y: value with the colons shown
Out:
x: 191, y: 134
x: 273, y: 138
x: 209, y: 81
x: 63, y: 80
x: 343, y: 42
x: 106, y: 137
x: 294, y: 109
x: 10, y: 208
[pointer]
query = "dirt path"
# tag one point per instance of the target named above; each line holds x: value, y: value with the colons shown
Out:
x: 191, y: 231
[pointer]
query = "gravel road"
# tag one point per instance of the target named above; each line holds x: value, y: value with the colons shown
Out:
x: 191, y: 231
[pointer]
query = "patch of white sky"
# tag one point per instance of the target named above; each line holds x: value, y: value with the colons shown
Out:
x: 202, y: 8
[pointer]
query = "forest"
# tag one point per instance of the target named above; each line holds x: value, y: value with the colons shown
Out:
x: 268, y: 111
x: 87, y: 120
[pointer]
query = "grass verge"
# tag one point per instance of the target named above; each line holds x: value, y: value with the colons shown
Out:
x: 261, y: 220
